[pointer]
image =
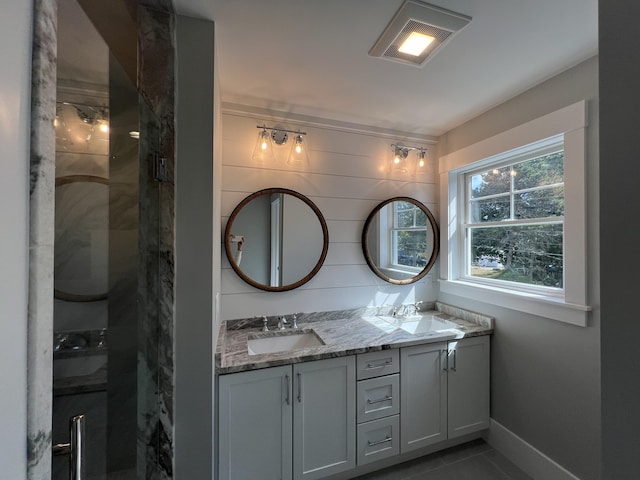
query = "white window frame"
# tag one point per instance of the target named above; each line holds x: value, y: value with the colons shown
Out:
x: 567, y: 125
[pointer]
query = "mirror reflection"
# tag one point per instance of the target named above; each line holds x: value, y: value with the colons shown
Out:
x: 276, y: 239
x: 400, y: 240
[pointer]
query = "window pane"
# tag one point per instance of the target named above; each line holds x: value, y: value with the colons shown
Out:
x: 548, y: 202
x: 410, y: 247
x: 491, y: 182
x: 540, y: 171
x: 408, y: 215
x: 530, y: 254
x: 490, y: 210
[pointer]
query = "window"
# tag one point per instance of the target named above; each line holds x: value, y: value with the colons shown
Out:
x: 408, y: 246
x: 515, y: 217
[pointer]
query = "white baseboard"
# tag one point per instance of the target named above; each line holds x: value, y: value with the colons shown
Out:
x: 525, y: 456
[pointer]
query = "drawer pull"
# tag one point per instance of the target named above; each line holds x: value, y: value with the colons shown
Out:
x: 379, y: 442
x: 380, y: 400
x: 372, y: 366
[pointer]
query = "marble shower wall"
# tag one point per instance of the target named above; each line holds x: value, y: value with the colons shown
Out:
x: 41, y: 238
x: 155, y: 357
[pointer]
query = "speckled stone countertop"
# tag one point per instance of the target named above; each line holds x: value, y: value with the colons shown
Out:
x: 344, y: 333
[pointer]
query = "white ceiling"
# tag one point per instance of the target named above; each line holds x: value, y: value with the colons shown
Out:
x: 310, y: 58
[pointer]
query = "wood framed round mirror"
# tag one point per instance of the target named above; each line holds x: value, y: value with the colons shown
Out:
x: 400, y: 240
x: 276, y: 239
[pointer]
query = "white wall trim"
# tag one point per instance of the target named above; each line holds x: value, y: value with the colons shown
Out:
x: 524, y: 455
x: 568, y: 123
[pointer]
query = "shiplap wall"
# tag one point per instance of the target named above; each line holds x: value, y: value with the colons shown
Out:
x: 346, y: 178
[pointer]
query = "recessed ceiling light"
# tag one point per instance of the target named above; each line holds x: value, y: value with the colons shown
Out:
x: 416, y: 43
x: 417, y: 20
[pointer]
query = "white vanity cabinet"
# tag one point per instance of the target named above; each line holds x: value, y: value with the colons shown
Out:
x: 324, y: 417
x: 291, y: 422
x: 378, y: 405
x: 444, y: 391
x: 468, y: 385
x: 255, y: 425
x: 423, y: 395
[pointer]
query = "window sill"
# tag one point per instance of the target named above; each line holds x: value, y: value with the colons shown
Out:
x: 548, y: 307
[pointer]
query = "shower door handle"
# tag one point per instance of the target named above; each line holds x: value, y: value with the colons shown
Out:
x: 75, y: 448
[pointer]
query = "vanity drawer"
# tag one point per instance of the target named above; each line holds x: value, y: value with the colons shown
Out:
x: 378, y: 397
x: 378, y: 439
x: 375, y: 364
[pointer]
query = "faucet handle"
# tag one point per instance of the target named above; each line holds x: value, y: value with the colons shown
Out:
x: 265, y: 327
x: 295, y: 321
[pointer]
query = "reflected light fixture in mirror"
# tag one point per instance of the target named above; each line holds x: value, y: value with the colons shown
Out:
x: 401, y: 163
x: 269, y: 138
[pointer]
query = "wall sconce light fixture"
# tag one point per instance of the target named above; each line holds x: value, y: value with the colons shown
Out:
x: 400, y: 162
x: 270, y: 136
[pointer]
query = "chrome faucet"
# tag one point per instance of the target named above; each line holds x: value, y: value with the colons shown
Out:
x: 282, y: 324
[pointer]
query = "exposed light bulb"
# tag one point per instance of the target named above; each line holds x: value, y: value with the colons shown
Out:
x: 104, y: 127
x: 421, y: 158
x: 265, y: 138
x: 397, y: 156
x: 298, y: 148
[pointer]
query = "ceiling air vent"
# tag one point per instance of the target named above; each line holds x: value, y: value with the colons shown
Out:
x: 416, y: 32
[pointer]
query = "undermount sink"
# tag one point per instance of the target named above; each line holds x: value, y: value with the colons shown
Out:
x: 287, y: 341
x: 416, y: 324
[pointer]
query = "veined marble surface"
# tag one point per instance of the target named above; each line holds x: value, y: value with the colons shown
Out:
x: 348, y: 333
x: 41, y: 239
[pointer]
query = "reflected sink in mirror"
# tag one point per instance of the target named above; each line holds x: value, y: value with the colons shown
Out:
x: 417, y: 324
x: 278, y: 342
x: 78, y: 366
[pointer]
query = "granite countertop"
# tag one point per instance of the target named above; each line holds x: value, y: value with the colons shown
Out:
x: 344, y: 333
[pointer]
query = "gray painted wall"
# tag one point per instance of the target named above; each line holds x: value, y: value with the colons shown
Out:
x: 196, y: 288
x: 620, y: 264
x: 15, y: 113
x: 545, y: 375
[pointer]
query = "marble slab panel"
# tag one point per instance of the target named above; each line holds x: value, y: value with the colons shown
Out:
x: 41, y: 238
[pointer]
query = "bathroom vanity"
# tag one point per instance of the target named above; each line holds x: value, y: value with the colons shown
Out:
x: 373, y: 391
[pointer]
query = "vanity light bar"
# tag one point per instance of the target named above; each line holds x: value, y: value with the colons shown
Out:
x: 274, y: 129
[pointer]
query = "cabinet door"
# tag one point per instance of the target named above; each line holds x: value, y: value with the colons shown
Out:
x: 423, y: 396
x: 324, y: 417
x: 469, y: 363
x: 255, y: 425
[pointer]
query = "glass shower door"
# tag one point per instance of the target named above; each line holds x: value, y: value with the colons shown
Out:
x: 107, y: 273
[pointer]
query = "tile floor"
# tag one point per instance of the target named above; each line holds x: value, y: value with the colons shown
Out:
x: 475, y: 460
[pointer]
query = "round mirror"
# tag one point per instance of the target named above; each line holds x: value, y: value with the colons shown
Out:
x: 400, y: 240
x: 276, y: 239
